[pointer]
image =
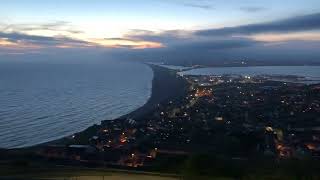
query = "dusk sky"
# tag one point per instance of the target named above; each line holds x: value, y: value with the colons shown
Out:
x: 157, y: 29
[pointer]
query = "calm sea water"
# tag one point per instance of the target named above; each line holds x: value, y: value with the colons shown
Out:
x: 310, y: 73
x: 40, y: 102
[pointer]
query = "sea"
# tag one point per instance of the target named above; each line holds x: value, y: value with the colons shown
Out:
x: 42, y: 101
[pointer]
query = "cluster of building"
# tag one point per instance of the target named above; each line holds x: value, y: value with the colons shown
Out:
x: 236, y: 116
x: 287, y: 114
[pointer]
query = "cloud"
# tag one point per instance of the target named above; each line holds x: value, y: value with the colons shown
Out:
x: 182, y: 46
x: 21, y: 41
x: 216, y: 44
x: 56, y: 27
x: 18, y: 40
x: 299, y: 23
x: 252, y: 9
x: 229, y: 44
x: 254, y: 32
x: 285, y: 37
x: 190, y: 41
x: 165, y: 37
x: 200, y: 6
x: 217, y: 52
x: 179, y: 46
x: 132, y: 43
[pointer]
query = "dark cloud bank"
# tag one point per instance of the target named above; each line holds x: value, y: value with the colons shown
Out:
x: 218, y: 46
x: 300, y: 23
x: 214, y: 46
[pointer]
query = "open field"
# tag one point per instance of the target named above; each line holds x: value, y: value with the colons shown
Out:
x: 72, y: 173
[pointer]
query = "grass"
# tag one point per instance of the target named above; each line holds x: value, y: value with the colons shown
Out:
x: 61, y: 172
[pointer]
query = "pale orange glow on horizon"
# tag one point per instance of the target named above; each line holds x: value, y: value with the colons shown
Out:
x: 80, y: 40
x: 128, y: 43
x: 300, y: 36
x: 106, y: 43
x: 94, y: 39
x: 4, y: 43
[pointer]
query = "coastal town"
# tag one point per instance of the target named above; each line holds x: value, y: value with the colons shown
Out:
x: 235, y: 117
x: 160, y: 90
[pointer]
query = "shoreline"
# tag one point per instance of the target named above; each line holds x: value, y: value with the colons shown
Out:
x: 165, y: 85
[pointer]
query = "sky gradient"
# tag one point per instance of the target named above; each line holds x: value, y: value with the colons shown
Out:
x: 175, y: 30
